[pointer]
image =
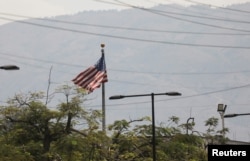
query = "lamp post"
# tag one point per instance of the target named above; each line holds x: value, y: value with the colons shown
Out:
x: 9, y: 67
x: 153, y: 112
x: 190, y: 118
x: 221, y: 109
x: 235, y: 115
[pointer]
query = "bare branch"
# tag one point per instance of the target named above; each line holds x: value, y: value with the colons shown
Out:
x: 49, y: 82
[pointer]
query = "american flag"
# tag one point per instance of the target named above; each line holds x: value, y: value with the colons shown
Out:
x: 93, y: 77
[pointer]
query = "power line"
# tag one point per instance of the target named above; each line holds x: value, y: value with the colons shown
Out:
x: 181, y: 19
x: 182, y: 97
x: 120, y: 3
x: 214, y: 6
x: 115, y: 80
x: 127, y: 38
x: 187, y: 9
x: 198, y: 95
x: 40, y: 60
x: 126, y: 71
x: 224, y: 8
x: 38, y: 66
x: 212, y: 92
x: 125, y: 28
x: 112, y: 80
x: 195, y: 16
x: 207, y: 107
x: 203, y: 17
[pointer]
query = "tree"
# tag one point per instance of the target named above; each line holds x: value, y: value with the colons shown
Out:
x: 130, y: 144
x: 182, y: 147
x: 30, y: 130
x: 133, y: 143
x: 32, y: 125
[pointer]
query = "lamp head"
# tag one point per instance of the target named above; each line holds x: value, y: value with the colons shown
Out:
x: 173, y: 94
x: 116, y: 97
x: 230, y: 115
x: 9, y: 67
x: 221, y: 108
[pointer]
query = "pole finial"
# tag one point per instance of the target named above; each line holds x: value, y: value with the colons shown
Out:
x: 102, y: 45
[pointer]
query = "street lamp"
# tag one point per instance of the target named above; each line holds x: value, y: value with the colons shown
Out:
x: 153, y: 112
x: 190, y: 118
x: 9, y: 67
x: 235, y: 115
x: 221, y: 109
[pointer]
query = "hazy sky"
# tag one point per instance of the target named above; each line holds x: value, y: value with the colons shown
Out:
x: 41, y: 8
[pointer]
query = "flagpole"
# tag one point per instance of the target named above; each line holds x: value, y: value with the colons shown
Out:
x: 103, y: 99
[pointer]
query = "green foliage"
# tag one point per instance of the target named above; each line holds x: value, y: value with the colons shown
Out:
x: 9, y: 152
x: 214, y: 136
x: 28, y: 122
x: 212, y: 124
x: 185, y: 147
x: 30, y: 131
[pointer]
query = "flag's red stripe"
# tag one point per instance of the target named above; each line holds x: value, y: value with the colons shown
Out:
x: 87, y: 79
x: 92, y: 77
x: 83, y: 75
x: 97, y: 80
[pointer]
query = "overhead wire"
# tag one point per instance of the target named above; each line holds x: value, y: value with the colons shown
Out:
x: 181, y: 97
x: 193, y: 16
x: 127, y: 28
x: 197, y: 10
x: 224, y: 8
x: 201, y: 107
x: 126, y: 71
x: 214, y: 17
x: 157, y: 11
x: 155, y: 73
x: 125, y: 37
x: 203, y: 17
x: 112, y: 80
x: 117, y: 27
x: 161, y: 13
x: 30, y: 64
x: 171, y: 73
x: 151, y: 9
x: 227, y: 10
x: 61, y: 71
x: 60, y: 63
